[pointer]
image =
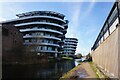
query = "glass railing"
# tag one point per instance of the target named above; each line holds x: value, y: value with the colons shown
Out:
x: 37, y: 22
x: 71, y: 40
x: 40, y: 29
x: 41, y: 16
x: 41, y: 13
x: 44, y: 36
x: 41, y: 43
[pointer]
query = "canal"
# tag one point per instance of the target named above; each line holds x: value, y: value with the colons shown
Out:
x: 38, y: 71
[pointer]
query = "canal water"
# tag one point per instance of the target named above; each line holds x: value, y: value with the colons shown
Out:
x: 42, y: 71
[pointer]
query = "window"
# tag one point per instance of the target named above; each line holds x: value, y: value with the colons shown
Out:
x: 35, y: 27
x: 39, y: 40
x: 53, y: 48
x: 33, y: 34
x: 51, y: 41
x: 26, y: 41
x: 27, y: 35
x: 41, y: 33
x: 113, y: 26
x: 106, y: 35
x: 38, y: 48
x: 46, y: 41
x: 44, y: 48
x: 49, y: 48
x: 119, y: 6
x: 105, y: 27
x: 33, y: 40
x: 101, y: 40
x: 113, y: 17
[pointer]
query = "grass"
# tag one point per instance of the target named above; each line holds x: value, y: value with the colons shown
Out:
x: 67, y: 75
x: 99, y: 74
x: 94, y: 68
x: 68, y: 58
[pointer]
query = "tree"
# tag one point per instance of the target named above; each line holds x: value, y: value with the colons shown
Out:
x: 89, y: 57
x: 79, y: 55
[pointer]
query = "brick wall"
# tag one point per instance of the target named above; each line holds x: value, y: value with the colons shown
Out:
x: 11, y: 38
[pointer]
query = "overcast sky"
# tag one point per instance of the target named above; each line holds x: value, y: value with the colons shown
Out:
x: 85, y: 18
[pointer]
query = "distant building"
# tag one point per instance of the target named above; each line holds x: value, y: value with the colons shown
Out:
x: 43, y: 31
x: 70, y: 46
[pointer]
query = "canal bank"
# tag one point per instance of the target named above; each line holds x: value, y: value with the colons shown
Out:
x: 44, y: 71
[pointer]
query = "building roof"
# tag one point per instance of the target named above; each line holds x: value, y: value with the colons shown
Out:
x: 39, y: 13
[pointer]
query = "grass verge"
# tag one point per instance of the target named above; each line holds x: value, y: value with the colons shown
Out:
x: 99, y: 74
x: 68, y: 74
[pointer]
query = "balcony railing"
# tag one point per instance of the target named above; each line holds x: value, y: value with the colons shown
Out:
x: 46, y: 23
x: 40, y: 16
x: 37, y: 43
x: 38, y: 36
x: 37, y: 29
x: 70, y: 46
x: 70, y: 43
x: 71, y: 40
x: 46, y: 51
x: 69, y: 49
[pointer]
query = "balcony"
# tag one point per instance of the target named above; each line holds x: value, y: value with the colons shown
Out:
x: 69, y: 46
x: 37, y: 29
x: 61, y: 36
x: 71, y: 43
x: 71, y: 40
x: 69, y: 52
x: 46, y: 51
x: 69, y: 49
x: 60, y: 42
x: 38, y: 36
x: 50, y: 17
x: 64, y: 31
x: 36, y: 43
x: 65, y: 26
x: 32, y: 23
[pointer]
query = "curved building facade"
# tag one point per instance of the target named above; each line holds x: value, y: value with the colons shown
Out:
x: 70, y: 46
x: 43, y: 31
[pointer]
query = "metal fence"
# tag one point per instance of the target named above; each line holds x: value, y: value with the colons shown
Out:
x: 109, y: 26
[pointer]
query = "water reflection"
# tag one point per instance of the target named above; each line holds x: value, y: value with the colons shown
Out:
x: 42, y: 71
x: 77, y: 61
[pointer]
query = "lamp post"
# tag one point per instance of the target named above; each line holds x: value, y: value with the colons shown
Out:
x: 38, y: 54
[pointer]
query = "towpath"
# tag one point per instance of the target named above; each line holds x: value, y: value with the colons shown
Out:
x: 84, y: 70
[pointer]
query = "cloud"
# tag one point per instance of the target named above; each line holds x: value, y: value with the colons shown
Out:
x: 74, y: 22
x: 74, y: 25
x: 77, y: 17
x: 89, y: 8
